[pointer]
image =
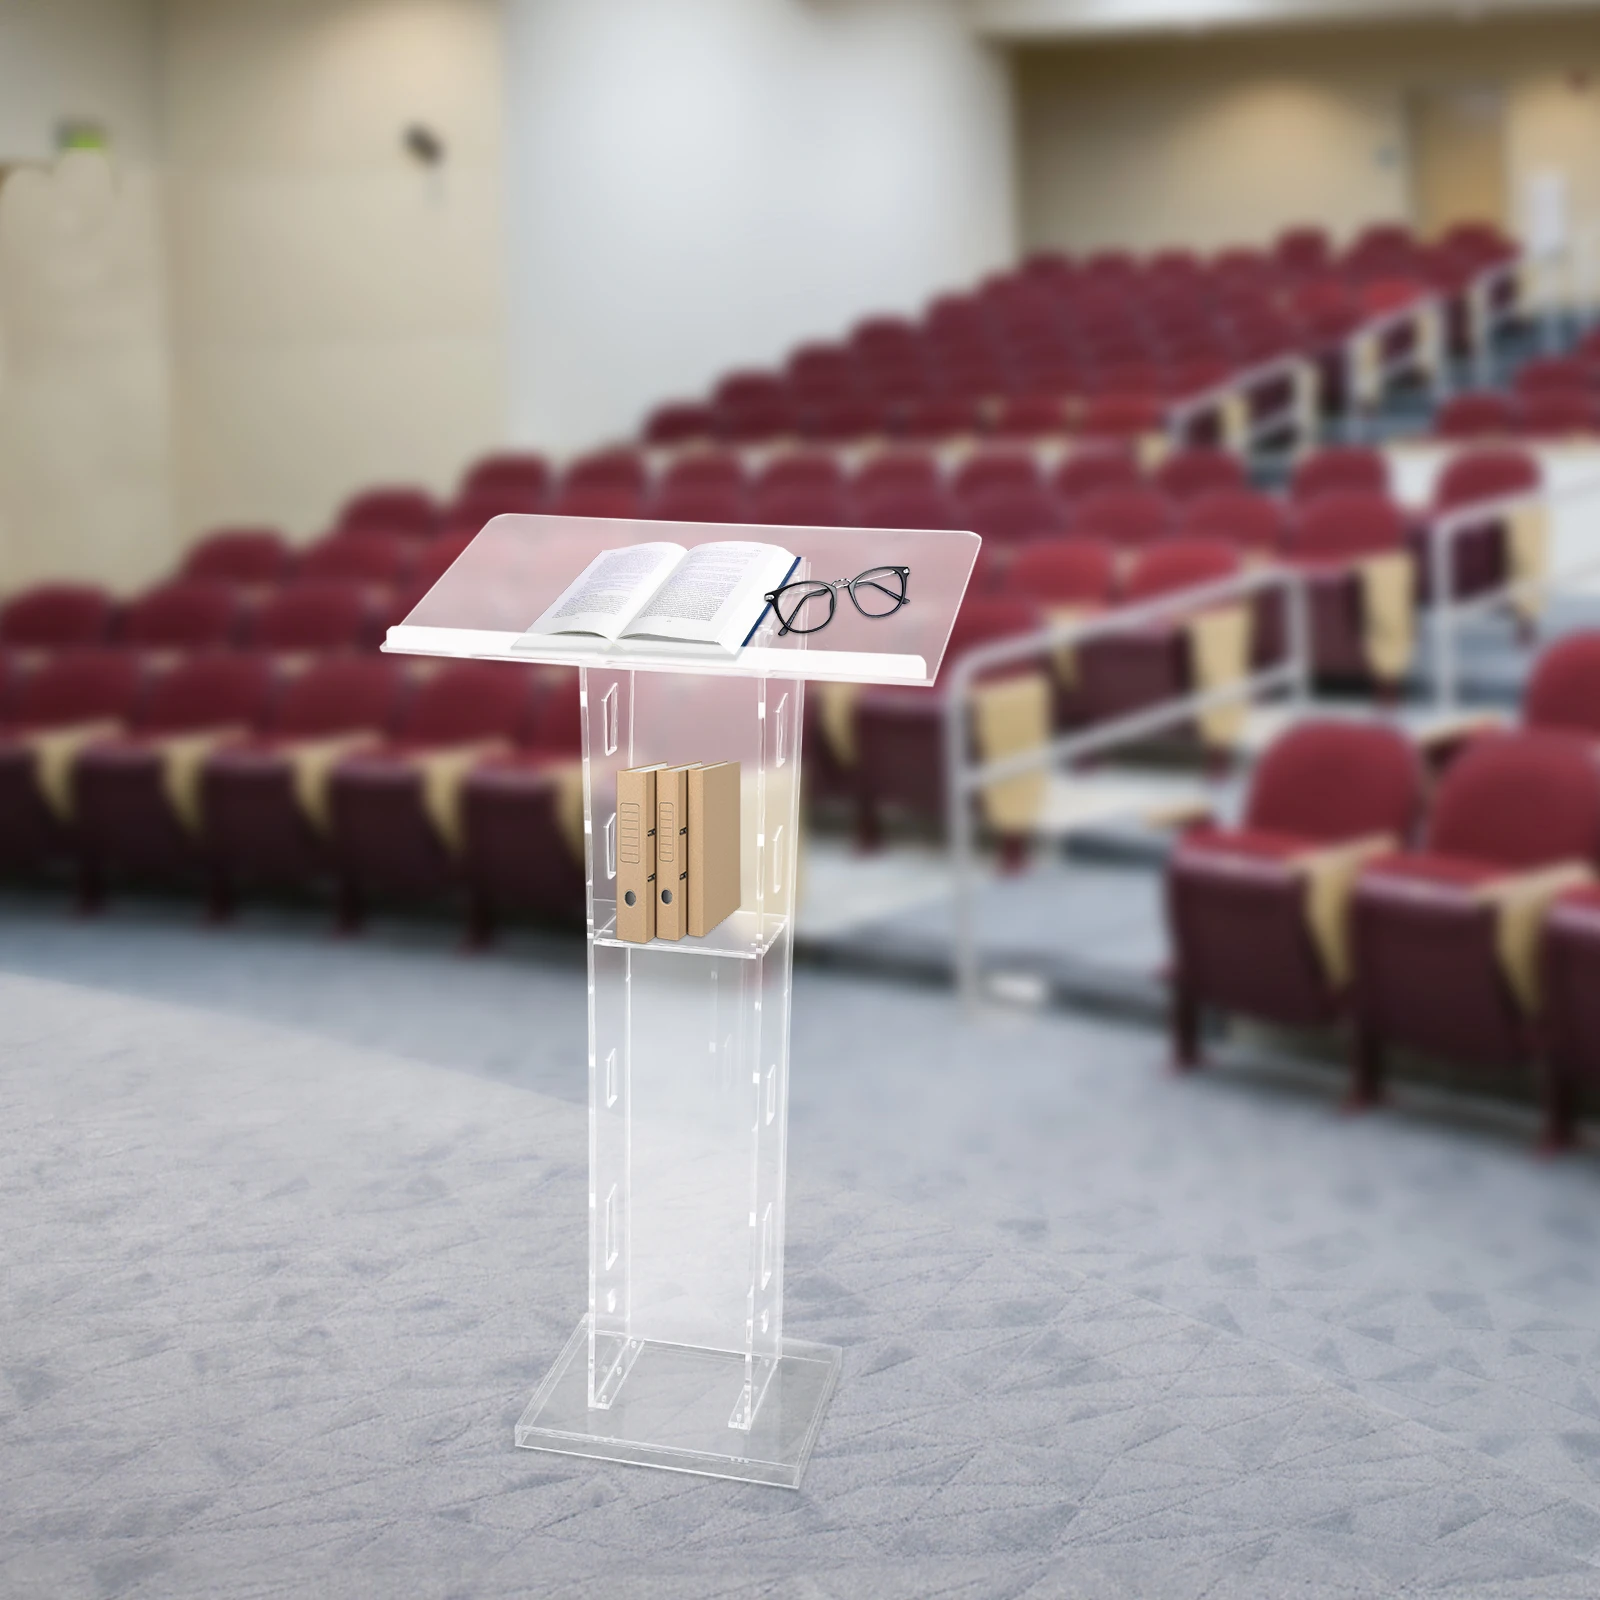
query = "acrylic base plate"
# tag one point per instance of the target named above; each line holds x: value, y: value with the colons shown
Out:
x: 673, y: 1407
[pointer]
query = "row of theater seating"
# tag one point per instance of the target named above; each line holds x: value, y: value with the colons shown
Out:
x: 1551, y: 396
x: 362, y: 773
x: 1071, y: 334
x: 1460, y: 919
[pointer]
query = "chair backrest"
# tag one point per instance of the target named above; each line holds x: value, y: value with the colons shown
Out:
x: 1340, y: 469
x: 1519, y: 799
x: 512, y: 475
x: 905, y: 508
x: 1190, y: 473
x: 1244, y: 517
x: 800, y: 506
x: 940, y: 417
x: 1304, y: 249
x: 1343, y: 526
x: 987, y: 470
x: 894, y: 471
x: 1331, y: 779
x: 435, y: 558
x: 468, y: 700
x: 1474, y: 416
x: 1123, y: 414
x: 705, y: 502
x: 607, y: 469
x: 320, y: 614
x: 626, y: 504
x: 1563, y: 690
x: 1180, y: 564
x: 801, y: 469
x: 1063, y: 572
x: 57, y: 615
x: 1127, y: 517
x: 679, y: 422
x: 359, y: 558
x: 842, y: 420
x: 1553, y: 375
x: 1554, y: 413
x: 1013, y: 516
x: 212, y: 689
x: 1476, y: 475
x: 983, y: 619
x: 1030, y: 417
x: 341, y: 694
x: 705, y: 469
x: 240, y: 555
x: 556, y: 723
x: 83, y: 685
x: 1087, y: 472
x: 401, y: 508
x: 187, y: 614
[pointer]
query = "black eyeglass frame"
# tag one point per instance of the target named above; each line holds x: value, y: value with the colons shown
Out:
x: 833, y: 586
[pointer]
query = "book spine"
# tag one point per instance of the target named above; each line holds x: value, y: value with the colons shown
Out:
x: 672, y: 854
x: 636, y: 856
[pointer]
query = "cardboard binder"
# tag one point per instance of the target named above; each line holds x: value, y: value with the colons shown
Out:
x: 672, y: 852
x: 636, y: 853
x: 713, y: 845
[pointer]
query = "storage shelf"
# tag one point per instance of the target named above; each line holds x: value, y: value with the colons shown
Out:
x: 746, y: 936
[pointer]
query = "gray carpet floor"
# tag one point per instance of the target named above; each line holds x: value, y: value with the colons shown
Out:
x: 292, y: 1229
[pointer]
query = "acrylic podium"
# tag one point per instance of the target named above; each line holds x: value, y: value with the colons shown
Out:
x: 683, y: 1359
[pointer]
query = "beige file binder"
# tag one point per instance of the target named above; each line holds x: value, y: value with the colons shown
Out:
x: 672, y: 852
x: 636, y: 854
x: 713, y: 845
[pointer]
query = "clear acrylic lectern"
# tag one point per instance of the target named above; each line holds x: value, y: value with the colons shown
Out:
x: 682, y: 1359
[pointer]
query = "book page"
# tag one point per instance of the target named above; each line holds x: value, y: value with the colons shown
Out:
x: 610, y: 591
x: 715, y: 595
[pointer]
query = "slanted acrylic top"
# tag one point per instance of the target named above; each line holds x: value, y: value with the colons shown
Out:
x: 518, y: 565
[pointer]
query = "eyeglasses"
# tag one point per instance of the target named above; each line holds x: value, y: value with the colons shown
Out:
x: 808, y: 606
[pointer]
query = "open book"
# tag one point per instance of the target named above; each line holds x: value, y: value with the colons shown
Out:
x: 712, y: 595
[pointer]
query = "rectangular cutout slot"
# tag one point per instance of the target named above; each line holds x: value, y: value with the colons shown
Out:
x: 778, y: 862
x: 611, y: 845
x: 608, y: 720
x: 780, y: 731
x: 611, y: 1077
x: 766, y: 1246
x: 613, y: 1249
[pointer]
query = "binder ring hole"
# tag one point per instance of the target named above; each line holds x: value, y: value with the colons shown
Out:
x: 666, y: 897
x: 630, y: 898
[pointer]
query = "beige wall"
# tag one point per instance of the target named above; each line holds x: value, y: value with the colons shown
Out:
x: 1215, y: 139
x: 338, y: 310
x: 84, y: 422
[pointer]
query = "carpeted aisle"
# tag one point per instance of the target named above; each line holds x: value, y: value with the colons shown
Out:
x: 273, y: 1302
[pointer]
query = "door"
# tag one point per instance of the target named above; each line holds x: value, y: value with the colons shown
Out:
x: 1458, y: 158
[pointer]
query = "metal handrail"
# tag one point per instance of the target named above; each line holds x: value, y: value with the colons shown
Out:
x: 1375, y: 328
x: 1290, y: 363
x: 1446, y: 609
x: 963, y: 779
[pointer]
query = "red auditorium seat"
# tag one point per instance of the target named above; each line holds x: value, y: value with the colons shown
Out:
x: 1067, y: 579
x: 621, y: 504
x: 699, y: 503
x: 512, y: 480
x: 705, y: 469
x: 54, y: 616
x: 1086, y: 472
x: 893, y: 471
x: 620, y: 469
x: 434, y: 559
x: 396, y: 809
x: 317, y: 614
x: 1445, y: 940
x: 1563, y: 690
x: 801, y: 469
x: 402, y: 509
x: 1485, y: 556
x: 680, y: 423
x: 800, y: 506
x: 1006, y: 518
x: 1554, y: 375
x: 1556, y: 415
x: 1138, y: 667
x: 54, y: 710
x: 751, y: 406
x: 523, y: 815
x: 843, y: 421
x: 1126, y: 517
x: 1031, y: 417
x: 1303, y: 250
x: 265, y: 798
x: 899, y: 733
x: 1348, y: 543
x: 240, y: 555
x: 1476, y: 416
x: 1256, y: 913
x: 1190, y: 473
x: 359, y: 558
x: 987, y: 470
x: 905, y: 508
x: 186, y: 614
x: 940, y: 417
x: 1340, y: 469
x: 1123, y: 416
x: 138, y: 795
x: 1255, y: 522
x: 1569, y: 974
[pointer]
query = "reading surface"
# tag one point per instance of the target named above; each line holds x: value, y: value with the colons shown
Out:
x: 519, y: 565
